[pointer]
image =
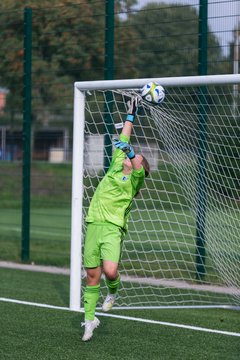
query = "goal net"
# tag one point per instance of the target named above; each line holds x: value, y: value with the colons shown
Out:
x: 183, y: 243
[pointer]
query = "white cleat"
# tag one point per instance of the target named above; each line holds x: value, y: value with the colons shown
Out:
x: 108, y: 302
x: 90, y: 325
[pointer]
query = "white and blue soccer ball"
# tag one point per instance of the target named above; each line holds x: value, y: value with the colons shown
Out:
x: 153, y: 93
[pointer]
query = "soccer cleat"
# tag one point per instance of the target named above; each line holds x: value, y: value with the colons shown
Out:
x: 108, y: 302
x: 90, y: 325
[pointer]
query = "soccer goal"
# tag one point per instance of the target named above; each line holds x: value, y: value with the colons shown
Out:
x: 183, y: 244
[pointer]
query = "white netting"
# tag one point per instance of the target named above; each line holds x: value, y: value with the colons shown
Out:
x: 191, y: 197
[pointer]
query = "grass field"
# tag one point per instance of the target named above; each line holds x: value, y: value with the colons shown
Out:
x: 31, y: 332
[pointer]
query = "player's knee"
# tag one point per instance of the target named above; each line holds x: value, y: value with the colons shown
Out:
x: 111, y: 274
x: 93, y: 276
x: 110, y: 270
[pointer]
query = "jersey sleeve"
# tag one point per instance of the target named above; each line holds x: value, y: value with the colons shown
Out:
x: 119, y: 155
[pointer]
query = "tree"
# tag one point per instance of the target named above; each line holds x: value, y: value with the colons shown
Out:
x: 68, y: 45
x: 69, y: 41
x: 167, y: 41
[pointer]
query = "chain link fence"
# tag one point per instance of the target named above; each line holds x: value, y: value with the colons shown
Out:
x: 68, y: 43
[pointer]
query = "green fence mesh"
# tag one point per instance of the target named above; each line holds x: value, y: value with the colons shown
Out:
x: 152, y: 39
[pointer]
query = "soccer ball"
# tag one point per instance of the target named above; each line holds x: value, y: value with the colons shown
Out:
x: 153, y: 93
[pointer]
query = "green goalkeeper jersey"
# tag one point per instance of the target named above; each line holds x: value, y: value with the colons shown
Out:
x: 112, y: 199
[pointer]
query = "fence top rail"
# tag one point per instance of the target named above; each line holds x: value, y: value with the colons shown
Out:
x: 165, y: 81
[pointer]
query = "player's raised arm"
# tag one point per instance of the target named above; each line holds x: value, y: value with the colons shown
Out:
x: 127, y: 130
x: 132, y: 111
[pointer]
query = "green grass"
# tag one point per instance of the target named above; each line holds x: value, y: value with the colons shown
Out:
x: 49, y: 234
x: 50, y: 185
x: 40, y: 333
x: 32, y: 333
x: 34, y: 286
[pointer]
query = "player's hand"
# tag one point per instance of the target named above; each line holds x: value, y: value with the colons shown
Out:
x: 132, y: 108
x: 125, y: 147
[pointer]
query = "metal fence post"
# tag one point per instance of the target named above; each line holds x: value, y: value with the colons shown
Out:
x: 108, y: 75
x: 201, y: 187
x: 26, y: 137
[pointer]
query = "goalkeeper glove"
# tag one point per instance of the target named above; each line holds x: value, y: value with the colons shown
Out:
x: 132, y: 108
x: 125, y: 147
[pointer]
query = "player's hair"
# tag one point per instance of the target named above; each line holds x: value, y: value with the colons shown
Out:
x: 145, y: 165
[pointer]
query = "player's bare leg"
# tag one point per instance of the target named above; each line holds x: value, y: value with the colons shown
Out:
x: 110, y: 270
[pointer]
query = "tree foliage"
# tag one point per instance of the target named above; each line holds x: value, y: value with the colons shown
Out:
x: 69, y: 45
x: 167, y: 41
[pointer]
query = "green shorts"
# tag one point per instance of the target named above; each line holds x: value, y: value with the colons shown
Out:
x: 103, y: 241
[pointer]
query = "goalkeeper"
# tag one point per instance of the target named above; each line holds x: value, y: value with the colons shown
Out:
x: 107, y: 221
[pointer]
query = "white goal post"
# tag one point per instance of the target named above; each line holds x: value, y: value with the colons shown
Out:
x: 183, y: 246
